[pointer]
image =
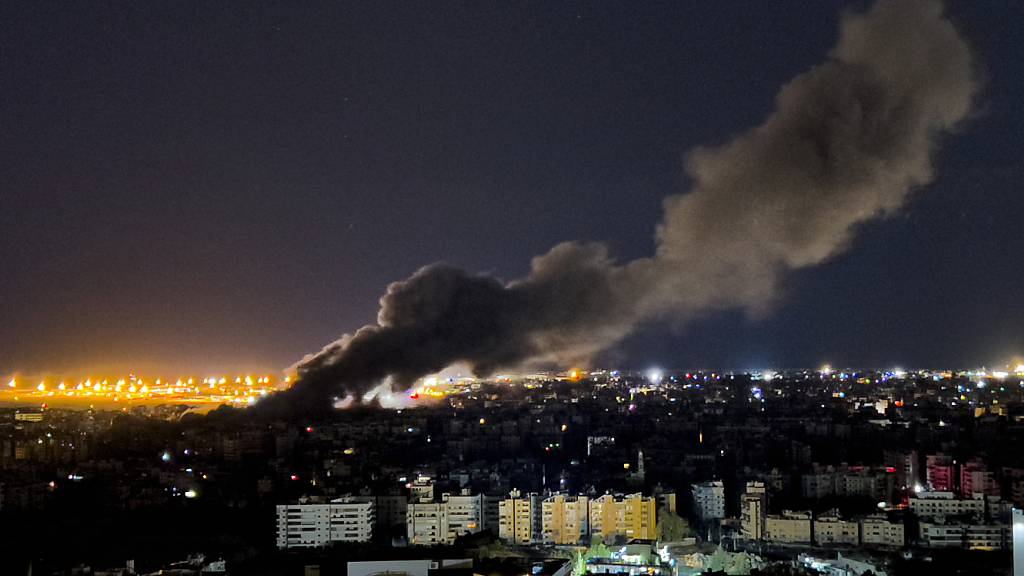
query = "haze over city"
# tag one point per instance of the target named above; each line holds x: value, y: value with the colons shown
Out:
x: 502, y: 289
x: 222, y: 190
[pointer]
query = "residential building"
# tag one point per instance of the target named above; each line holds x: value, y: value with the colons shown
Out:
x: 1018, y: 542
x: 709, y: 500
x: 939, y: 472
x: 831, y: 528
x: 466, y: 513
x: 975, y: 478
x: 427, y: 523
x: 638, y: 518
x: 565, y: 519
x: 633, y: 517
x: 790, y: 526
x: 422, y: 490
x: 877, y: 530
x: 938, y: 535
x: 316, y: 525
x: 519, y: 518
x: 753, y: 507
x: 941, y: 504
x: 980, y: 536
x: 994, y: 536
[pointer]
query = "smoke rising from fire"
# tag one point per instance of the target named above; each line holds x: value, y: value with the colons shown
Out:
x: 847, y: 142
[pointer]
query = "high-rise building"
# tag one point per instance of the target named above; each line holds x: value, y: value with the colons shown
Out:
x: 753, y: 507
x: 633, y: 517
x: 976, y: 478
x: 316, y: 525
x: 466, y: 513
x: 427, y: 523
x: 1018, y: 542
x: 939, y: 472
x: 906, y: 465
x: 519, y: 518
x: 565, y: 519
x: 430, y: 523
x: 709, y: 500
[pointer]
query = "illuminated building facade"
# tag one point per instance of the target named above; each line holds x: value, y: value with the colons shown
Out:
x: 942, y: 504
x: 1018, y: 542
x: 790, y: 526
x: 519, y: 518
x: 465, y: 513
x: 427, y: 523
x: 753, y: 507
x: 831, y: 528
x: 317, y: 525
x: 876, y: 530
x: 565, y: 519
x: 634, y: 517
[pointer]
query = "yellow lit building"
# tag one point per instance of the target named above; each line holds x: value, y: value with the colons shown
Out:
x: 519, y: 518
x: 634, y: 517
x: 789, y: 527
x: 565, y: 519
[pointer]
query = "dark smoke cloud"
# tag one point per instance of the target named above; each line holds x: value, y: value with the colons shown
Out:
x: 848, y: 141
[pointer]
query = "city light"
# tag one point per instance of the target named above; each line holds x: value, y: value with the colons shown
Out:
x: 654, y: 376
x: 135, y: 390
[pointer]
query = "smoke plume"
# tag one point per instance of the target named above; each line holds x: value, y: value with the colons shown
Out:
x: 847, y: 142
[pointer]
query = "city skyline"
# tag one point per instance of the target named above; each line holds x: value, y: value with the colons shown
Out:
x: 525, y: 288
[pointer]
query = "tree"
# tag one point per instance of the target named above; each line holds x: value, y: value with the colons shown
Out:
x: 597, y: 549
x: 672, y: 527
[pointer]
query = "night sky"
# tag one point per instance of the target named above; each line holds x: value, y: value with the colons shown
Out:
x: 197, y: 186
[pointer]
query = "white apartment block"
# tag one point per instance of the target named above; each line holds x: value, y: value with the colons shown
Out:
x: 317, y: 525
x: 709, y: 500
x: 970, y: 536
x: 427, y: 523
x: 942, y: 535
x: 876, y: 530
x: 831, y: 528
x: 466, y: 513
x: 942, y: 504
